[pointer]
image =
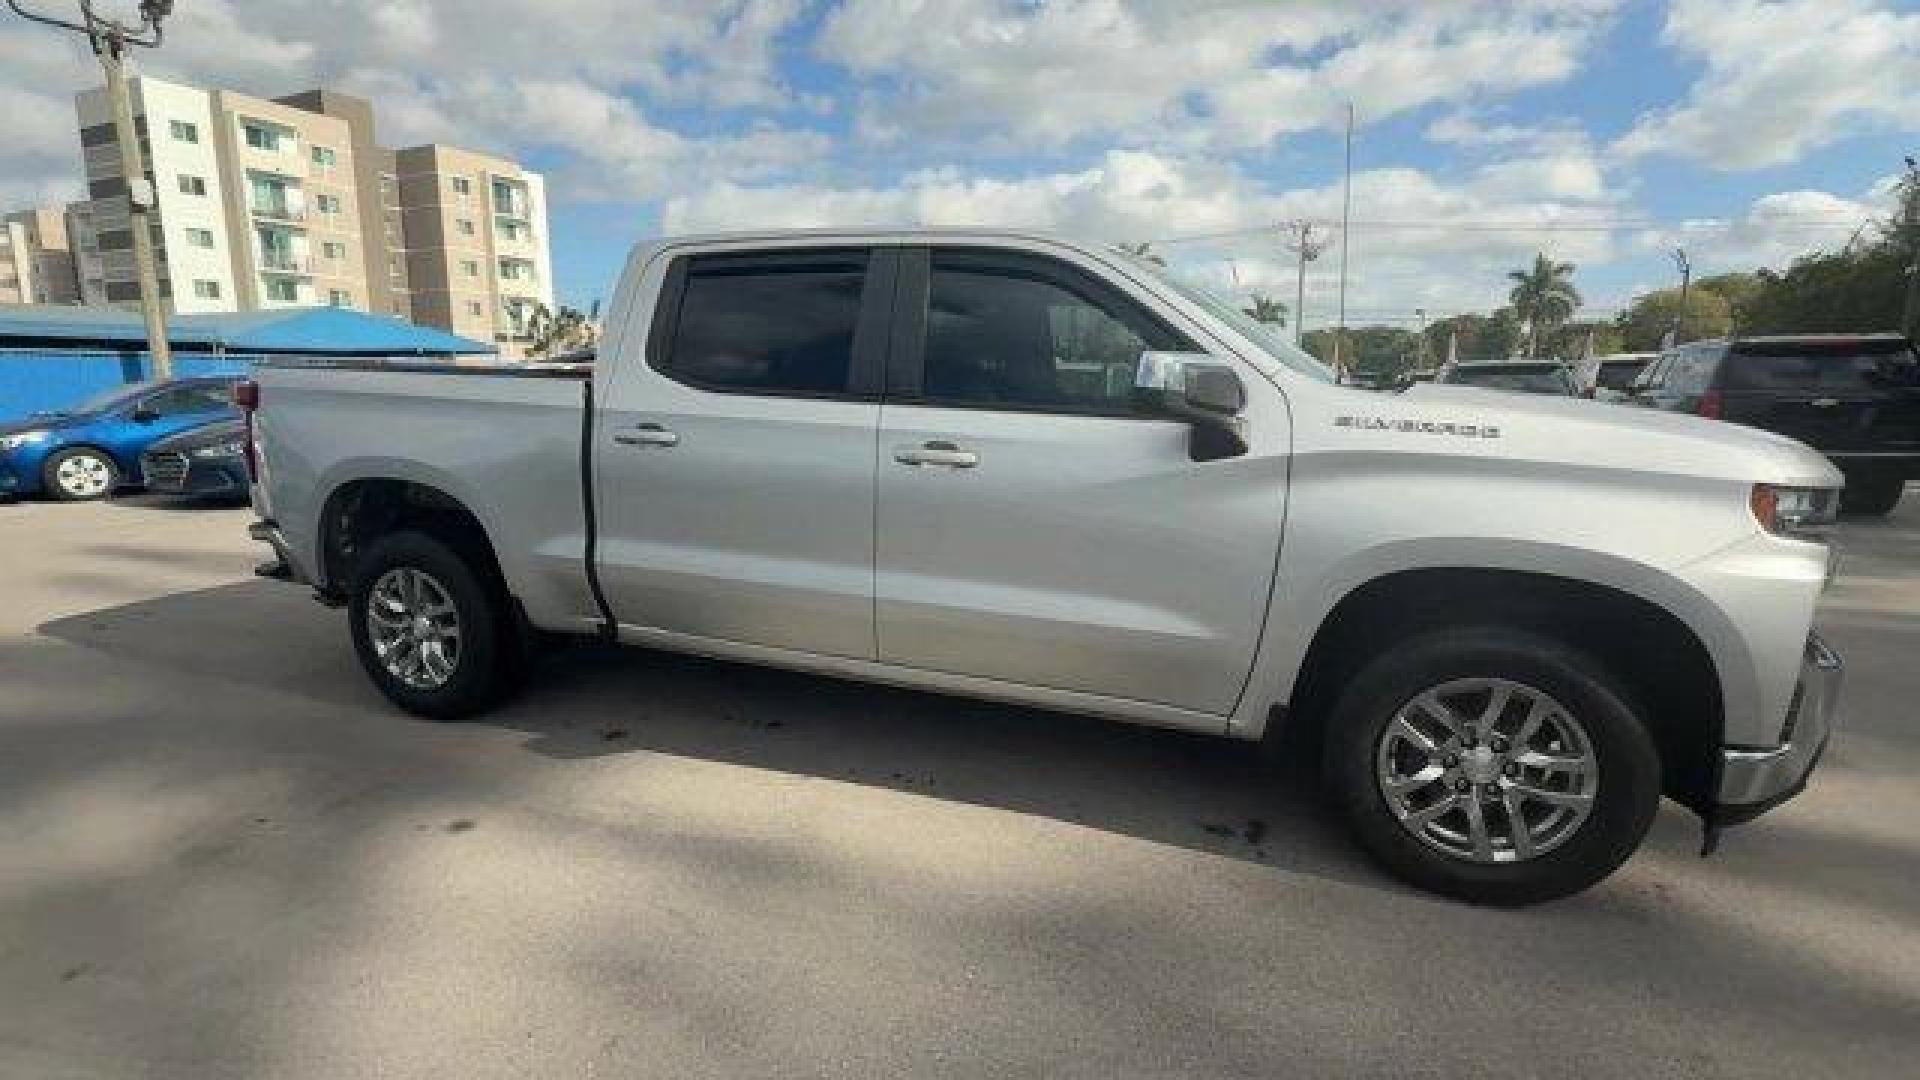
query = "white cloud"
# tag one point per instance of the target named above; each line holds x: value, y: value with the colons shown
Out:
x: 1774, y: 229
x: 1784, y: 79
x: 1226, y: 75
x: 1141, y: 195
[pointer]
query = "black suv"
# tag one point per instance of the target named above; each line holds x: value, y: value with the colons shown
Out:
x: 1854, y: 398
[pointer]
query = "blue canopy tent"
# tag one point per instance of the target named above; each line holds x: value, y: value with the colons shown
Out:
x: 52, y: 356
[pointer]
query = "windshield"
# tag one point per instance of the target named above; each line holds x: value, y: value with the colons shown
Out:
x: 1266, y: 335
x: 107, y: 399
x: 1527, y: 379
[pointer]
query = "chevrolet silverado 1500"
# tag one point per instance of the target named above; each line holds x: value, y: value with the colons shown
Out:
x: 1021, y: 468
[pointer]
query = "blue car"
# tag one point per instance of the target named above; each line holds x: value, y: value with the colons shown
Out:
x: 90, y: 450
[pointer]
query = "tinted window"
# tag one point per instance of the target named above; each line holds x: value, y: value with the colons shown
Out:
x: 1526, y: 378
x: 182, y: 400
x: 1619, y: 375
x: 1838, y: 370
x: 1690, y: 372
x: 1030, y: 337
x: 770, y: 328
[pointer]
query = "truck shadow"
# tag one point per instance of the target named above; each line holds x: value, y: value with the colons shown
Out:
x: 590, y: 701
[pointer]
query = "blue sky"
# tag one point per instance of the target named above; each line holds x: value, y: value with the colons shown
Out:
x: 1746, y: 130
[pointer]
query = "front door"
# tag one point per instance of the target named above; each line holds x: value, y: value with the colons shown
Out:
x: 736, y: 459
x: 1032, y: 527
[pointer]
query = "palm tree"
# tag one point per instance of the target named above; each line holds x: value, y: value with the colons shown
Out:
x: 1144, y: 250
x: 1543, y: 297
x: 549, y: 332
x: 1266, y: 309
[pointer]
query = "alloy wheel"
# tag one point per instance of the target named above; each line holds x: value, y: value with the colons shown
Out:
x: 1487, y: 770
x: 83, y: 476
x: 414, y: 627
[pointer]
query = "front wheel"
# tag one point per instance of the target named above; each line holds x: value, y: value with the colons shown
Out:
x: 1491, y: 765
x: 80, y: 475
x: 428, y: 629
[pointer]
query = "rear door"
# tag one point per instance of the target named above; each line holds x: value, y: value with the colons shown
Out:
x: 1840, y: 397
x: 170, y: 410
x: 1032, y: 527
x: 736, y: 459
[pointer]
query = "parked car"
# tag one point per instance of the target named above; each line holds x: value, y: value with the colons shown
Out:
x: 1612, y: 375
x: 1854, y: 398
x: 92, y: 449
x: 1524, y: 376
x: 203, y: 462
x: 1511, y: 621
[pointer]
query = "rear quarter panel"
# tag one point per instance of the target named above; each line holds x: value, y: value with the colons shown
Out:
x: 506, y: 448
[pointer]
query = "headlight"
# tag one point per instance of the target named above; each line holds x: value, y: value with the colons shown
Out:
x: 24, y: 438
x: 235, y: 448
x: 1803, y: 513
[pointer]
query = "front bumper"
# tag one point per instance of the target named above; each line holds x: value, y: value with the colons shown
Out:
x: 1755, y: 780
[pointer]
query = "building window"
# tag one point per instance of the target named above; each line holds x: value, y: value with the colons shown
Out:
x: 285, y: 290
x: 200, y: 238
x: 206, y: 290
x: 466, y: 226
x: 515, y: 270
x: 474, y: 309
x: 261, y: 137
x: 339, y: 298
x: 393, y: 266
x: 192, y: 185
x: 183, y: 131
x: 323, y: 157
x: 333, y: 249
x: 516, y: 231
x: 328, y: 204
x: 461, y: 185
x: 470, y: 268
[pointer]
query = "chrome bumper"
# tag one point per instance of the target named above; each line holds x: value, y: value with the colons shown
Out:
x: 1753, y: 781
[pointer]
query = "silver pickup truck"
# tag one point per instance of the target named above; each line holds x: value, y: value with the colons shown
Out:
x: 1016, y: 467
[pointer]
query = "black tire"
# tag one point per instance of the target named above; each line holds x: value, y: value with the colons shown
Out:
x: 1628, y: 774
x: 101, y: 462
x: 486, y: 665
x: 1872, y: 495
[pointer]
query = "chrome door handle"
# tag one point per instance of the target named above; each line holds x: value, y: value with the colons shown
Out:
x: 647, y: 435
x: 937, y: 452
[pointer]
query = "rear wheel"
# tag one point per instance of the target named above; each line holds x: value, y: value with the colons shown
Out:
x: 1873, y: 494
x: 1492, y: 765
x: 429, y: 630
x: 81, y: 474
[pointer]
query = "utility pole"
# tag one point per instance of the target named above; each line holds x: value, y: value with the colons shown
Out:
x: 1346, y: 236
x: 1420, y: 339
x: 109, y: 39
x: 1908, y: 230
x: 1301, y: 241
x: 1686, y: 277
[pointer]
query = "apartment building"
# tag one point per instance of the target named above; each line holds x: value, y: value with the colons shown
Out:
x: 36, y: 258
x: 476, y: 254
x: 268, y: 203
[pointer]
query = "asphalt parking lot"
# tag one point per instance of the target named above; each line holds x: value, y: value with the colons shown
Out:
x: 222, y: 855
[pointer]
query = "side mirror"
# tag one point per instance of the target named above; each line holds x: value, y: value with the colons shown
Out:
x: 144, y: 415
x: 1202, y: 391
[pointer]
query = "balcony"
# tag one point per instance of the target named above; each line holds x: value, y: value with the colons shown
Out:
x: 277, y: 209
x: 280, y: 262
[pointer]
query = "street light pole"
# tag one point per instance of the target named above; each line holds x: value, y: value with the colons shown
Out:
x: 1909, y: 220
x: 1686, y: 277
x: 109, y: 39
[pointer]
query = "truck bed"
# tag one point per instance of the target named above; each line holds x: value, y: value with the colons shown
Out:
x: 505, y: 441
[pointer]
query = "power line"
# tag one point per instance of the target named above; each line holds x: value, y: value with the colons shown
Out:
x: 1587, y: 226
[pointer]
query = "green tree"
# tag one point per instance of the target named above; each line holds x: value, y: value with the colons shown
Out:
x: 1739, y: 290
x: 1646, y: 321
x: 1143, y: 250
x: 1266, y: 309
x: 1476, y: 337
x: 1543, y: 297
x: 1569, y: 341
x: 551, y: 332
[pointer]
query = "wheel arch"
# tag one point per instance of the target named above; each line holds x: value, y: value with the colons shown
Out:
x: 1663, y: 661
x: 360, y: 510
